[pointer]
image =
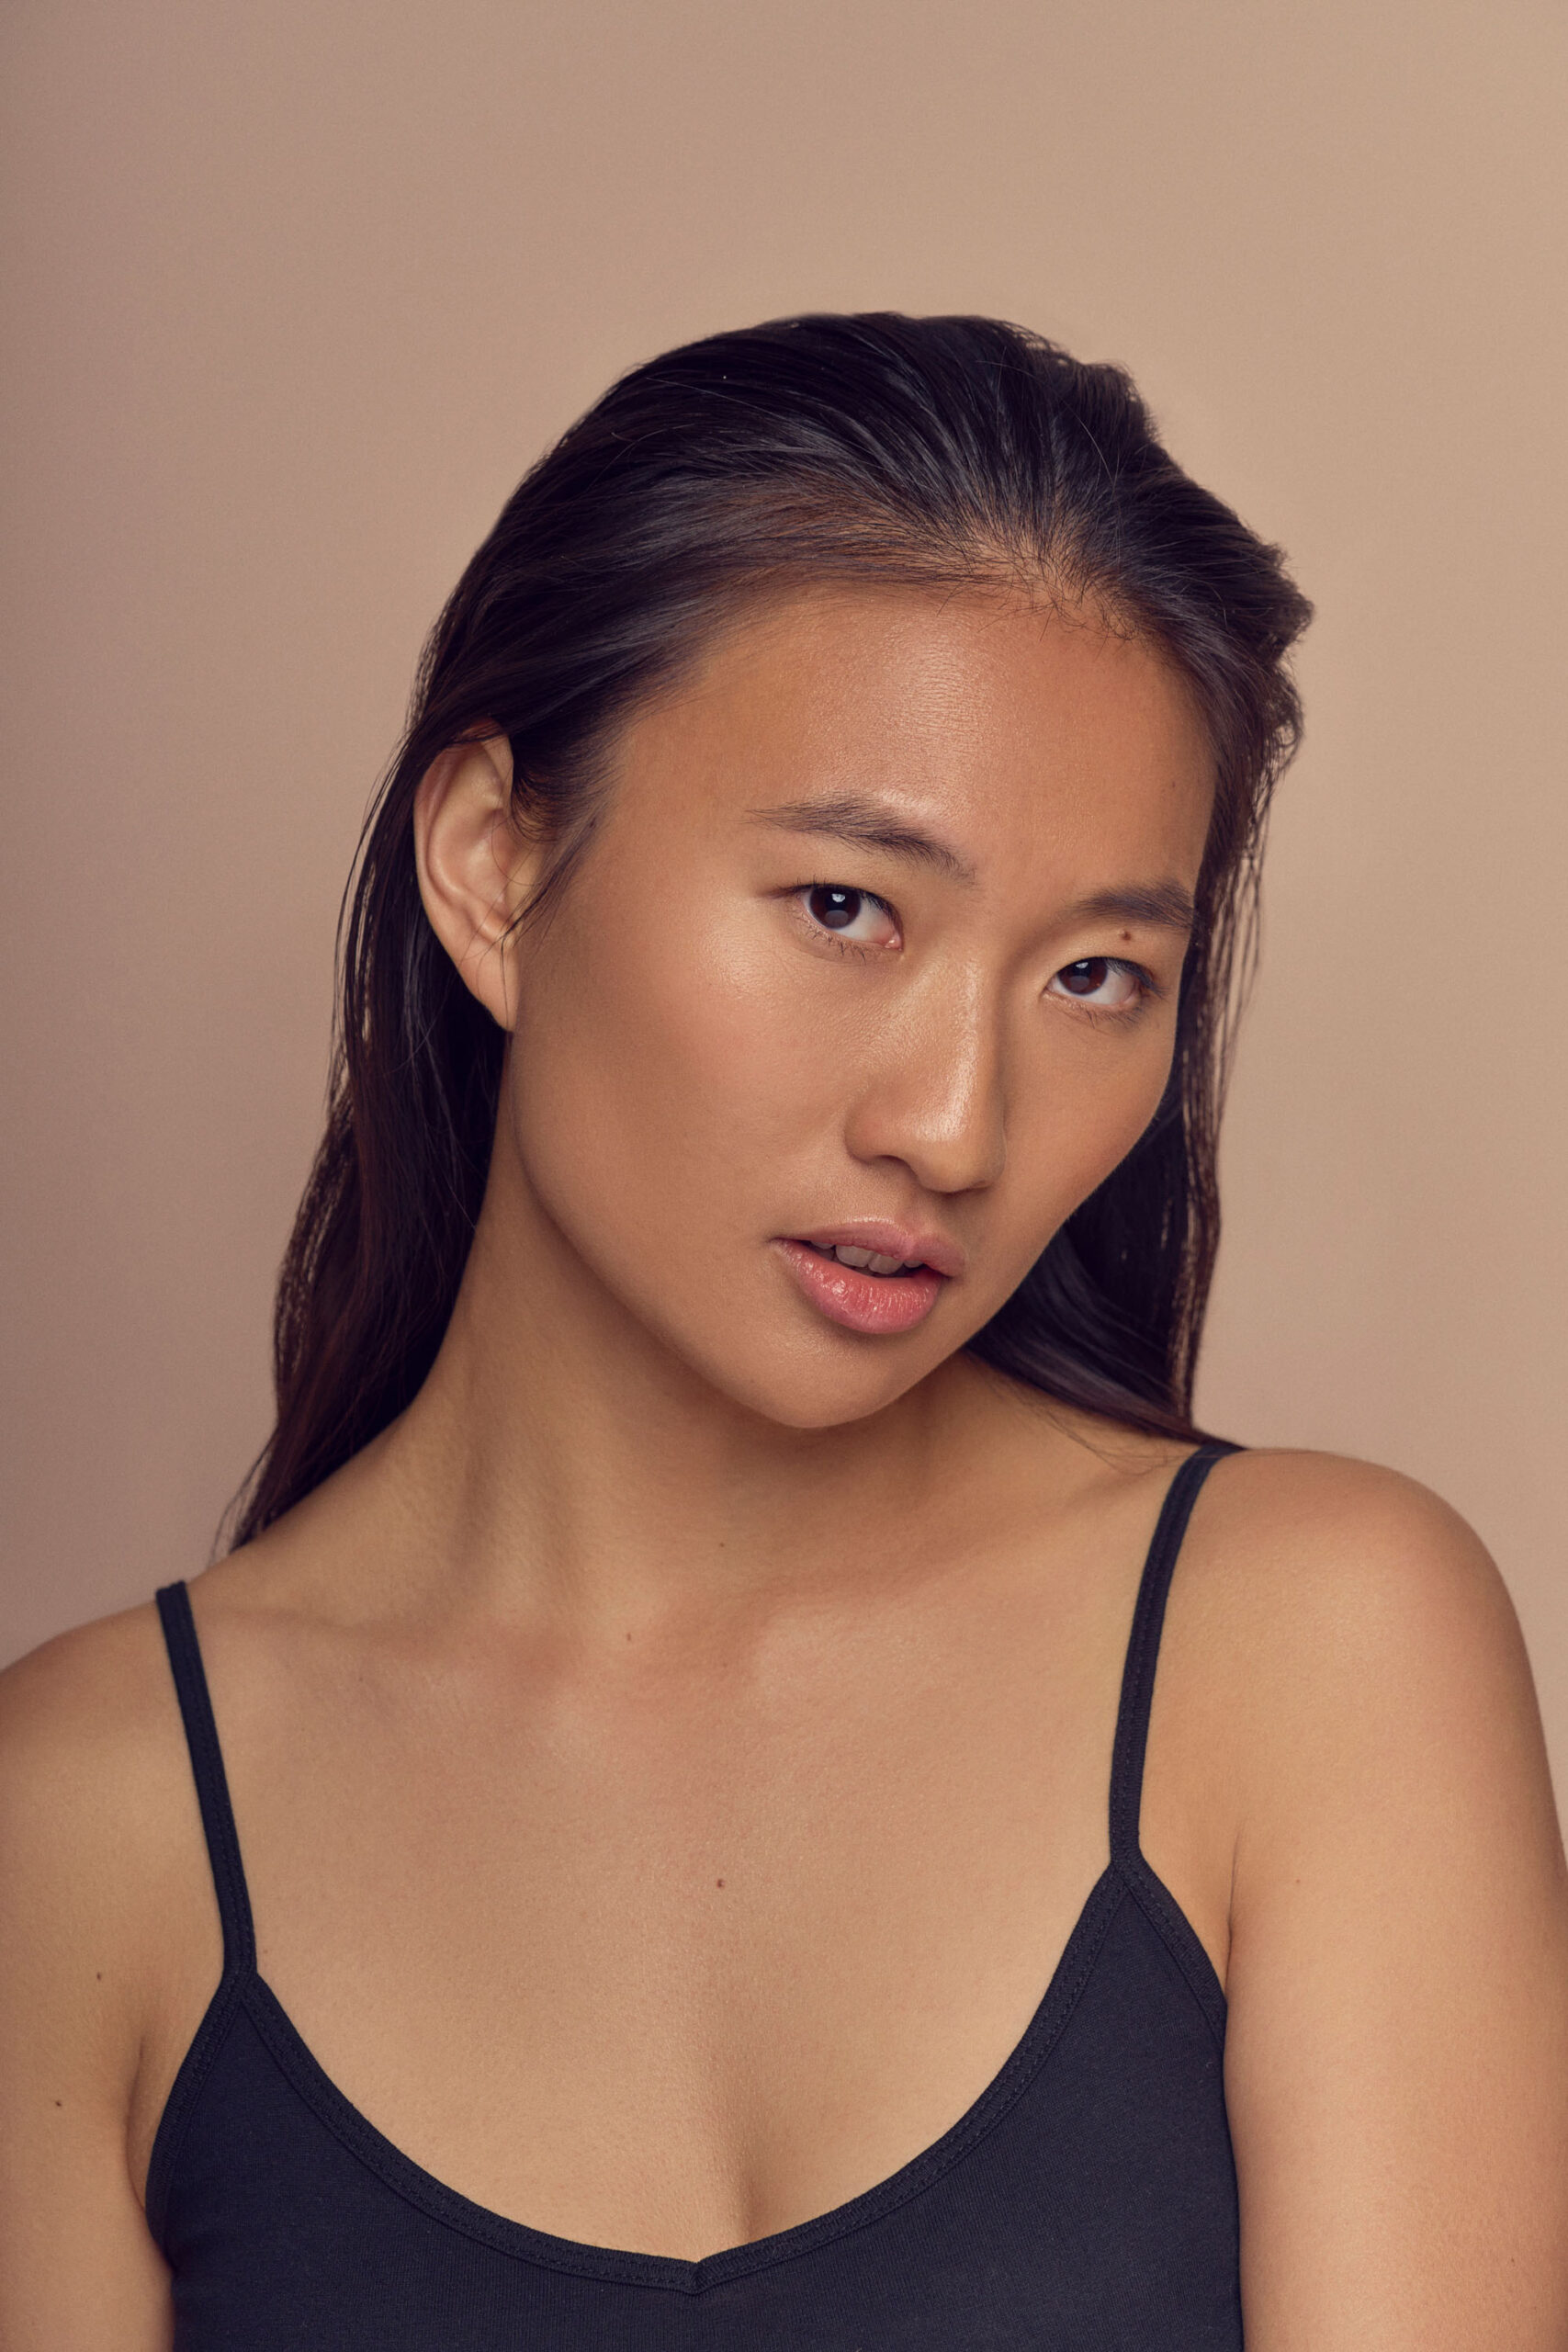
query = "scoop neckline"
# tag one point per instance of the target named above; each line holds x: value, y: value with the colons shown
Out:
x: 245, y: 1989
x: 1126, y: 1877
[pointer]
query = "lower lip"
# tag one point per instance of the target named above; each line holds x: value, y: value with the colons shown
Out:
x: 880, y: 1304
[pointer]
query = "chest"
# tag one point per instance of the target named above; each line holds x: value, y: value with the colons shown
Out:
x: 683, y: 1951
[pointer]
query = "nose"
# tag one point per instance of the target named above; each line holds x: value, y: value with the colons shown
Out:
x: 932, y: 1084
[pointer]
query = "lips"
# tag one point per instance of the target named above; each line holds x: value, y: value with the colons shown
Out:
x: 906, y: 1245
x: 871, y: 1277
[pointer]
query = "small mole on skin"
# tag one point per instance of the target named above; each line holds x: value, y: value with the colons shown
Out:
x: 719, y: 1881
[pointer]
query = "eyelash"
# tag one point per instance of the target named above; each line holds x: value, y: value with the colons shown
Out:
x: 859, y: 948
x: 1148, y: 988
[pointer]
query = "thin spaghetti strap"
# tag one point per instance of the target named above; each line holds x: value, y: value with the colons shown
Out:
x: 1142, y: 1647
x: 212, y: 1783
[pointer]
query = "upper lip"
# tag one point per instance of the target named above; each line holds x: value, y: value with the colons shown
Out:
x: 915, y: 1245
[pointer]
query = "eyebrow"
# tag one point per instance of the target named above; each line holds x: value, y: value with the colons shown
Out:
x: 1165, y: 906
x: 871, y: 824
x: 868, y: 824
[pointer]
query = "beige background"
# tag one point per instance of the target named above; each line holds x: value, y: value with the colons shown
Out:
x: 295, y: 292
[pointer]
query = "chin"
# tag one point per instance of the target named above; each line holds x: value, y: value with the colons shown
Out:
x: 805, y: 1389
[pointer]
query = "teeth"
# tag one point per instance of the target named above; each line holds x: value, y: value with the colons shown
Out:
x: 870, y: 1261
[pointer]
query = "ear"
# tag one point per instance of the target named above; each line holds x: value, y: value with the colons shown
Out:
x: 476, y: 867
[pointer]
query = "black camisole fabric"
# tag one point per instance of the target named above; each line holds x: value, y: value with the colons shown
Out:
x: 1087, y: 2201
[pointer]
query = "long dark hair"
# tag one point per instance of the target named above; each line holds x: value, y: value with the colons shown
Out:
x: 948, y: 451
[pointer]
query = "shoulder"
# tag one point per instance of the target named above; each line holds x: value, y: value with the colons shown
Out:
x: 97, y: 1820
x: 1316, y: 1521
x: 1371, y: 1693
x: 1398, y: 1957
x: 1336, y: 1580
x: 79, y: 1713
x: 98, y: 1885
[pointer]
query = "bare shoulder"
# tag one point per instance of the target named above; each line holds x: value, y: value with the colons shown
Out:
x: 1338, y: 1583
x: 99, y: 1863
x: 1370, y: 1693
x: 97, y: 1820
x: 1321, y: 1515
x: 1344, y: 1695
x: 1396, y: 2056
x: 82, y: 1718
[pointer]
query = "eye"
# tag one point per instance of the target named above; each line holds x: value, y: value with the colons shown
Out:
x: 855, y: 916
x: 1104, y: 983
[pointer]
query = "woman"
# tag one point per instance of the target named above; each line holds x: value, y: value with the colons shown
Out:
x: 697, y: 1852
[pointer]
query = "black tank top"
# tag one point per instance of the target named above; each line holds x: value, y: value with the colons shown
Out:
x: 1087, y: 2202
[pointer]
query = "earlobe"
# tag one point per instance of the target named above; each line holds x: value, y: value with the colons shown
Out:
x: 476, y: 868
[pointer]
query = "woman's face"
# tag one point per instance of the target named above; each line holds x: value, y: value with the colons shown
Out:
x: 876, y: 951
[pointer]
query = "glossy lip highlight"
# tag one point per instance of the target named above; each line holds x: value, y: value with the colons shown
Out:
x: 915, y: 1245
x: 877, y: 1305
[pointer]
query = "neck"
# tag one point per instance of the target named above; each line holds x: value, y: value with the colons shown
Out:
x: 561, y: 1456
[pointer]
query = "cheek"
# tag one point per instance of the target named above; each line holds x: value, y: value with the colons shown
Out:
x: 1079, y: 1122
x: 661, y: 1071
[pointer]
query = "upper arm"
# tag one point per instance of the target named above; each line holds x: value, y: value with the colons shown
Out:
x: 78, y: 2269
x: 1397, y: 2055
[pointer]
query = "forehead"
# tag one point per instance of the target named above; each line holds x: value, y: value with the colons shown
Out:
x: 1006, y: 724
